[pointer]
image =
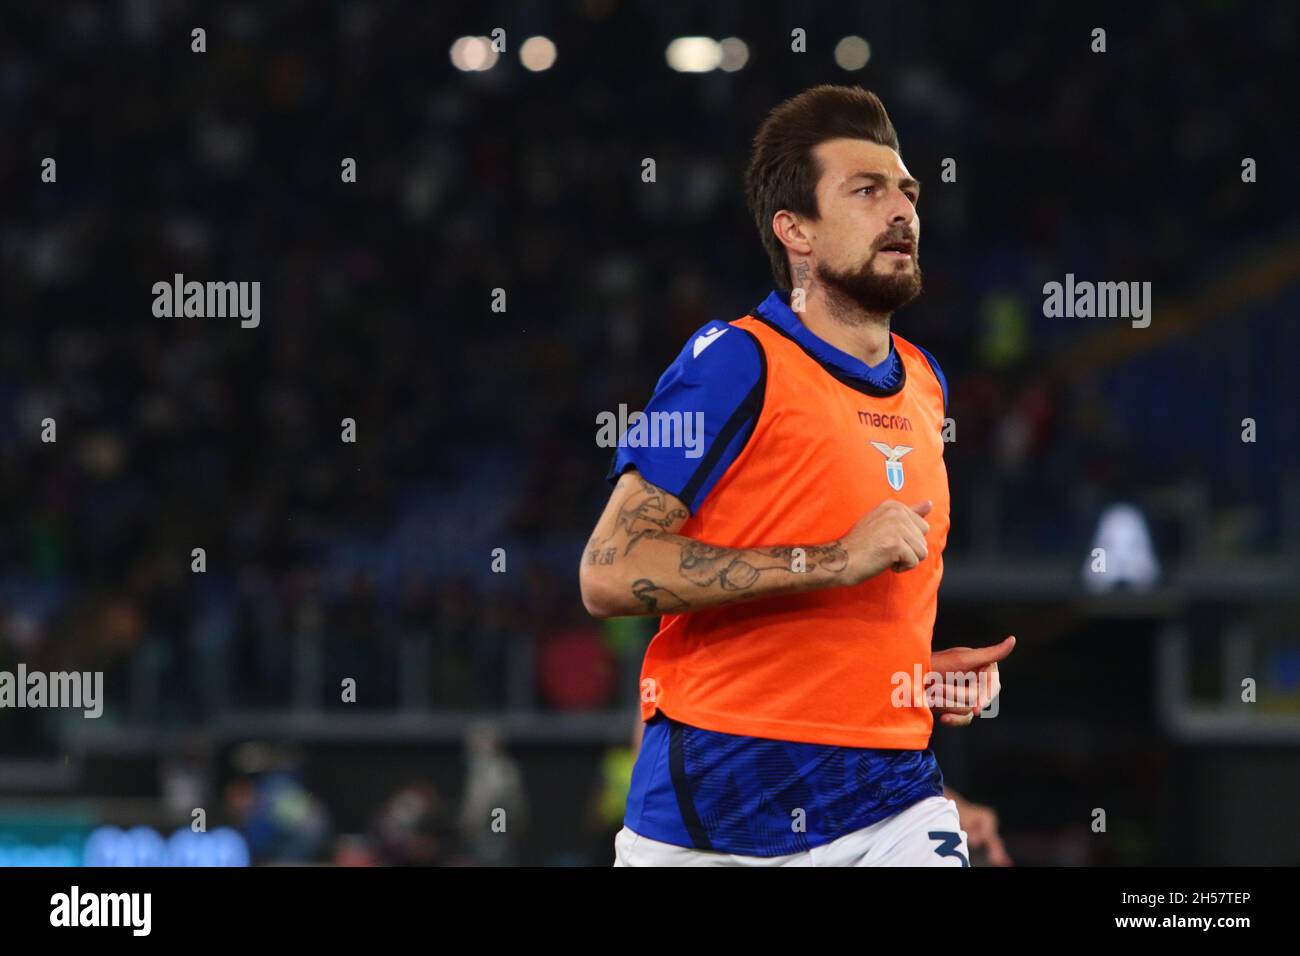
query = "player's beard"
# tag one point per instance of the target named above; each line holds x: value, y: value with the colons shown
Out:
x: 870, y: 290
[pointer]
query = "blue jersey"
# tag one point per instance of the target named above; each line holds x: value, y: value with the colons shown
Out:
x: 753, y: 796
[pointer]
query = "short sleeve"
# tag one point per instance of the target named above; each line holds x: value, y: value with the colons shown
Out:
x: 700, y: 416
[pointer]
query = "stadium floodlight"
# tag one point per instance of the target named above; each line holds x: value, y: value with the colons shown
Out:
x: 473, y: 54
x: 537, y: 54
x: 852, y: 53
x: 694, y: 54
x: 735, y: 54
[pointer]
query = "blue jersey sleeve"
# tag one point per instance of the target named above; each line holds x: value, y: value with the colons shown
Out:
x: 938, y: 373
x: 700, y: 417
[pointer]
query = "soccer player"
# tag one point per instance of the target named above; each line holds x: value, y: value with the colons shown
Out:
x: 795, y: 553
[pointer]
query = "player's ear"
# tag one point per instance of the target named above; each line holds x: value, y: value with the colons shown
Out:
x: 791, y: 231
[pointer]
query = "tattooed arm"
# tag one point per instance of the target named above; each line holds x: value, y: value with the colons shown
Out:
x: 636, y: 563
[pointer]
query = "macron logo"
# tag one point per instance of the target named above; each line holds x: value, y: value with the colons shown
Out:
x: 707, y: 339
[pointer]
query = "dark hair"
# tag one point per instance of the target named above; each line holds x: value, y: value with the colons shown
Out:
x: 782, y: 172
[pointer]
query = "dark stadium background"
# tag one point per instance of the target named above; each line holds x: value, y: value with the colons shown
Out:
x: 476, y: 429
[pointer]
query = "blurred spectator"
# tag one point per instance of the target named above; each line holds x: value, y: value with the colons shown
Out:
x: 494, y: 809
x: 279, y: 818
x: 414, y: 829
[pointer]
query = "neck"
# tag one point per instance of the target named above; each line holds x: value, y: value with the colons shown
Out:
x: 846, y: 325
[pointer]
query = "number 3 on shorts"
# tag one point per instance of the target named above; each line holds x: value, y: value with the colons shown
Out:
x: 948, y: 843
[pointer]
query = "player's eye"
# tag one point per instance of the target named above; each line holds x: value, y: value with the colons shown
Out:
x: 865, y: 189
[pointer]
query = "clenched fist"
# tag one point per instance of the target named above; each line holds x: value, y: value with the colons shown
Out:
x: 892, y: 536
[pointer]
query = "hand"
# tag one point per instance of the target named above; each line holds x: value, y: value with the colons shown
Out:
x: 962, y: 703
x: 891, y: 536
x: 981, y: 825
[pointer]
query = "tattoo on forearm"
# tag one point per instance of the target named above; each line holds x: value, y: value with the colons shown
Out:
x: 705, y: 565
x: 829, y: 557
x: 646, y: 516
x: 656, y: 599
x: 738, y: 570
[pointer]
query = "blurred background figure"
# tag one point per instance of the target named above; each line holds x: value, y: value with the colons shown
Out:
x: 493, y: 811
x: 414, y: 828
x: 279, y: 818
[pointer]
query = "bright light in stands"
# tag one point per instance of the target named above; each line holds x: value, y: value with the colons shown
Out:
x: 537, y: 54
x: 473, y: 54
x: 852, y: 53
x: 735, y: 54
x: 694, y: 54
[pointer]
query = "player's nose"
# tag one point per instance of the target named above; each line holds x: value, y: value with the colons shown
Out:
x: 901, y: 212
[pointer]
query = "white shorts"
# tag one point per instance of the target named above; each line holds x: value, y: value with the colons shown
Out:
x: 927, y: 833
